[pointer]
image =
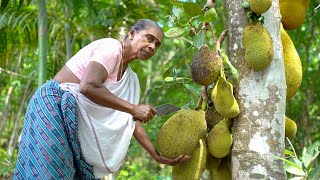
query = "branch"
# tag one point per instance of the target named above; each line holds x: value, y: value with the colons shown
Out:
x: 212, y: 32
x: 15, y: 74
x: 220, y: 40
x: 203, y: 99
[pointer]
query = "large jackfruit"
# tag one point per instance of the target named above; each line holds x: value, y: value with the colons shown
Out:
x: 219, y: 139
x: 292, y: 65
x: 290, y: 128
x: 260, y: 6
x: 223, y: 99
x: 193, y: 167
x: 258, y: 46
x: 222, y: 172
x: 293, y: 13
x: 205, y: 66
x: 180, y: 134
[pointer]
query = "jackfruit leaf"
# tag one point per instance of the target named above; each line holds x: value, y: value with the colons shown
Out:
x: 199, y: 39
x: 178, y: 79
x: 176, y: 3
x: 288, y: 152
x: 174, y: 32
x: 176, y: 65
x: 195, y: 91
x: 192, y: 9
x: 292, y: 167
x: 314, y: 173
x: 210, y: 16
x: 297, y: 178
x: 309, y: 154
x: 181, y: 16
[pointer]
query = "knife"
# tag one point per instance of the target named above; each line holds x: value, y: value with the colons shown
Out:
x: 165, y: 109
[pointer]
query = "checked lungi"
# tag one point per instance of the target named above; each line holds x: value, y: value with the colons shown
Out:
x: 49, y: 147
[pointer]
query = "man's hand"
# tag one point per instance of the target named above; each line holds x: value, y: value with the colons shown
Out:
x: 143, y: 112
x: 163, y: 160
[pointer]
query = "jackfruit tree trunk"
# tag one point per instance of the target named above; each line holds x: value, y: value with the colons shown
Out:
x: 259, y: 129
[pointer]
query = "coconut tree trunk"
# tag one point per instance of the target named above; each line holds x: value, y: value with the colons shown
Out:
x: 43, y: 41
x: 259, y: 129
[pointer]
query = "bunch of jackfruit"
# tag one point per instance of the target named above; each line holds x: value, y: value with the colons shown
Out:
x: 293, y: 13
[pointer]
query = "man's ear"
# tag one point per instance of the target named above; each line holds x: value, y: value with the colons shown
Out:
x: 131, y: 34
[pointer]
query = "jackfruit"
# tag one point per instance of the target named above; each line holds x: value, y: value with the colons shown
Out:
x: 290, y: 128
x: 260, y: 6
x: 193, y: 167
x: 292, y: 64
x: 222, y: 172
x: 293, y: 13
x: 212, y: 117
x: 205, y: 66
x: 258, y: 46
x: 219, y: 139
x: 212, y: 162
x: 223, y: 99
x: 180, y: 134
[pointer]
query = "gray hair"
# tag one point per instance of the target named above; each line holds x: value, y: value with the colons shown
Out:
x: 144, y: 24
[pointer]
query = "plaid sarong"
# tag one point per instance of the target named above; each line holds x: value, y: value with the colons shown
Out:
x: 49, y: 147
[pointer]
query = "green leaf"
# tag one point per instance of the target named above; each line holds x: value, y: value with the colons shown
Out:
x: 199, y: 39
x: 310, y: 154
x: 210, y: 16
x: 174, y: 32
x: 196, y: 92
x: 234, y: 77
x: 288, y: 152
x: 4, y: 4
x: 314, y: 174
x: 292, y: 167
x: 297, y: 178
x: 176, y: 3
x: 178, y: 79
x: 192, y: 9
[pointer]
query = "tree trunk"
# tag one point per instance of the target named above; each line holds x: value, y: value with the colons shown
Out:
x: 43, y: 41
x: 5, y: 110
x: 259, y: 129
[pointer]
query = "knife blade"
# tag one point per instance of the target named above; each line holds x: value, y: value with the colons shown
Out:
x: 165, y: 109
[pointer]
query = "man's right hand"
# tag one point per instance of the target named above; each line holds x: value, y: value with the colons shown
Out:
x: 163, y: 160
x: 143, y: 112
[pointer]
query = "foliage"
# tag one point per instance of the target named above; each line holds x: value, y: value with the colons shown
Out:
x: 303, y: 167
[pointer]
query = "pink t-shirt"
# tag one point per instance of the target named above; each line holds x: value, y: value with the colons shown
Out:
x: 107, y: 52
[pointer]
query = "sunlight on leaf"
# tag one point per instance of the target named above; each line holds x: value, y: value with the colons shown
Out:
x: 199, y: 39
x: 291, y: 167
x: 174, y: 32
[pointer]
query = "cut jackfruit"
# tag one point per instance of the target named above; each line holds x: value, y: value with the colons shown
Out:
x: 180, y: 134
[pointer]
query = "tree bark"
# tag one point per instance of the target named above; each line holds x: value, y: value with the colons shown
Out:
x: 259, y: 129
x: 43, y: 41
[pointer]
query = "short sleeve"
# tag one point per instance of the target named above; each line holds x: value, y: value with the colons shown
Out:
x: 108, y: 55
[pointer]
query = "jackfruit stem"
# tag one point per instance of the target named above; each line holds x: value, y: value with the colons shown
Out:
x: 220, y: 41
x: 203, y: 99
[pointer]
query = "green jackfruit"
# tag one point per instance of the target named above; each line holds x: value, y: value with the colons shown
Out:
x: 219, y: 139
x: 260, y: 6
x: 205, y: 66
x: 212, y: 117
x: 212, y: 162
x: 290, y: 128
x: 193, y: 167
x: 180, y: 134
x: 258, y: 46
x: 223, y: 99
x: 222, y: 172
x: 293, y: 13
x: 292, y: 64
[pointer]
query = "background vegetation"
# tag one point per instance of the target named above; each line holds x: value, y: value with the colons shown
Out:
x: 82, y: 21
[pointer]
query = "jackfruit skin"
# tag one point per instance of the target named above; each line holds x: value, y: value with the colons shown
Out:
x: 180, y: 134
x: 293, y: 13
x: 212, y: 162
x: 193, y: 167
x: 290, y: 128
x: 260, y: 6
x: 205, y: 66
x: 223, y: 99
x: 222, y: 172
x: 212, y: 117
x: 219, y: 140
x: 292, y: 64
x: 258, y: 46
